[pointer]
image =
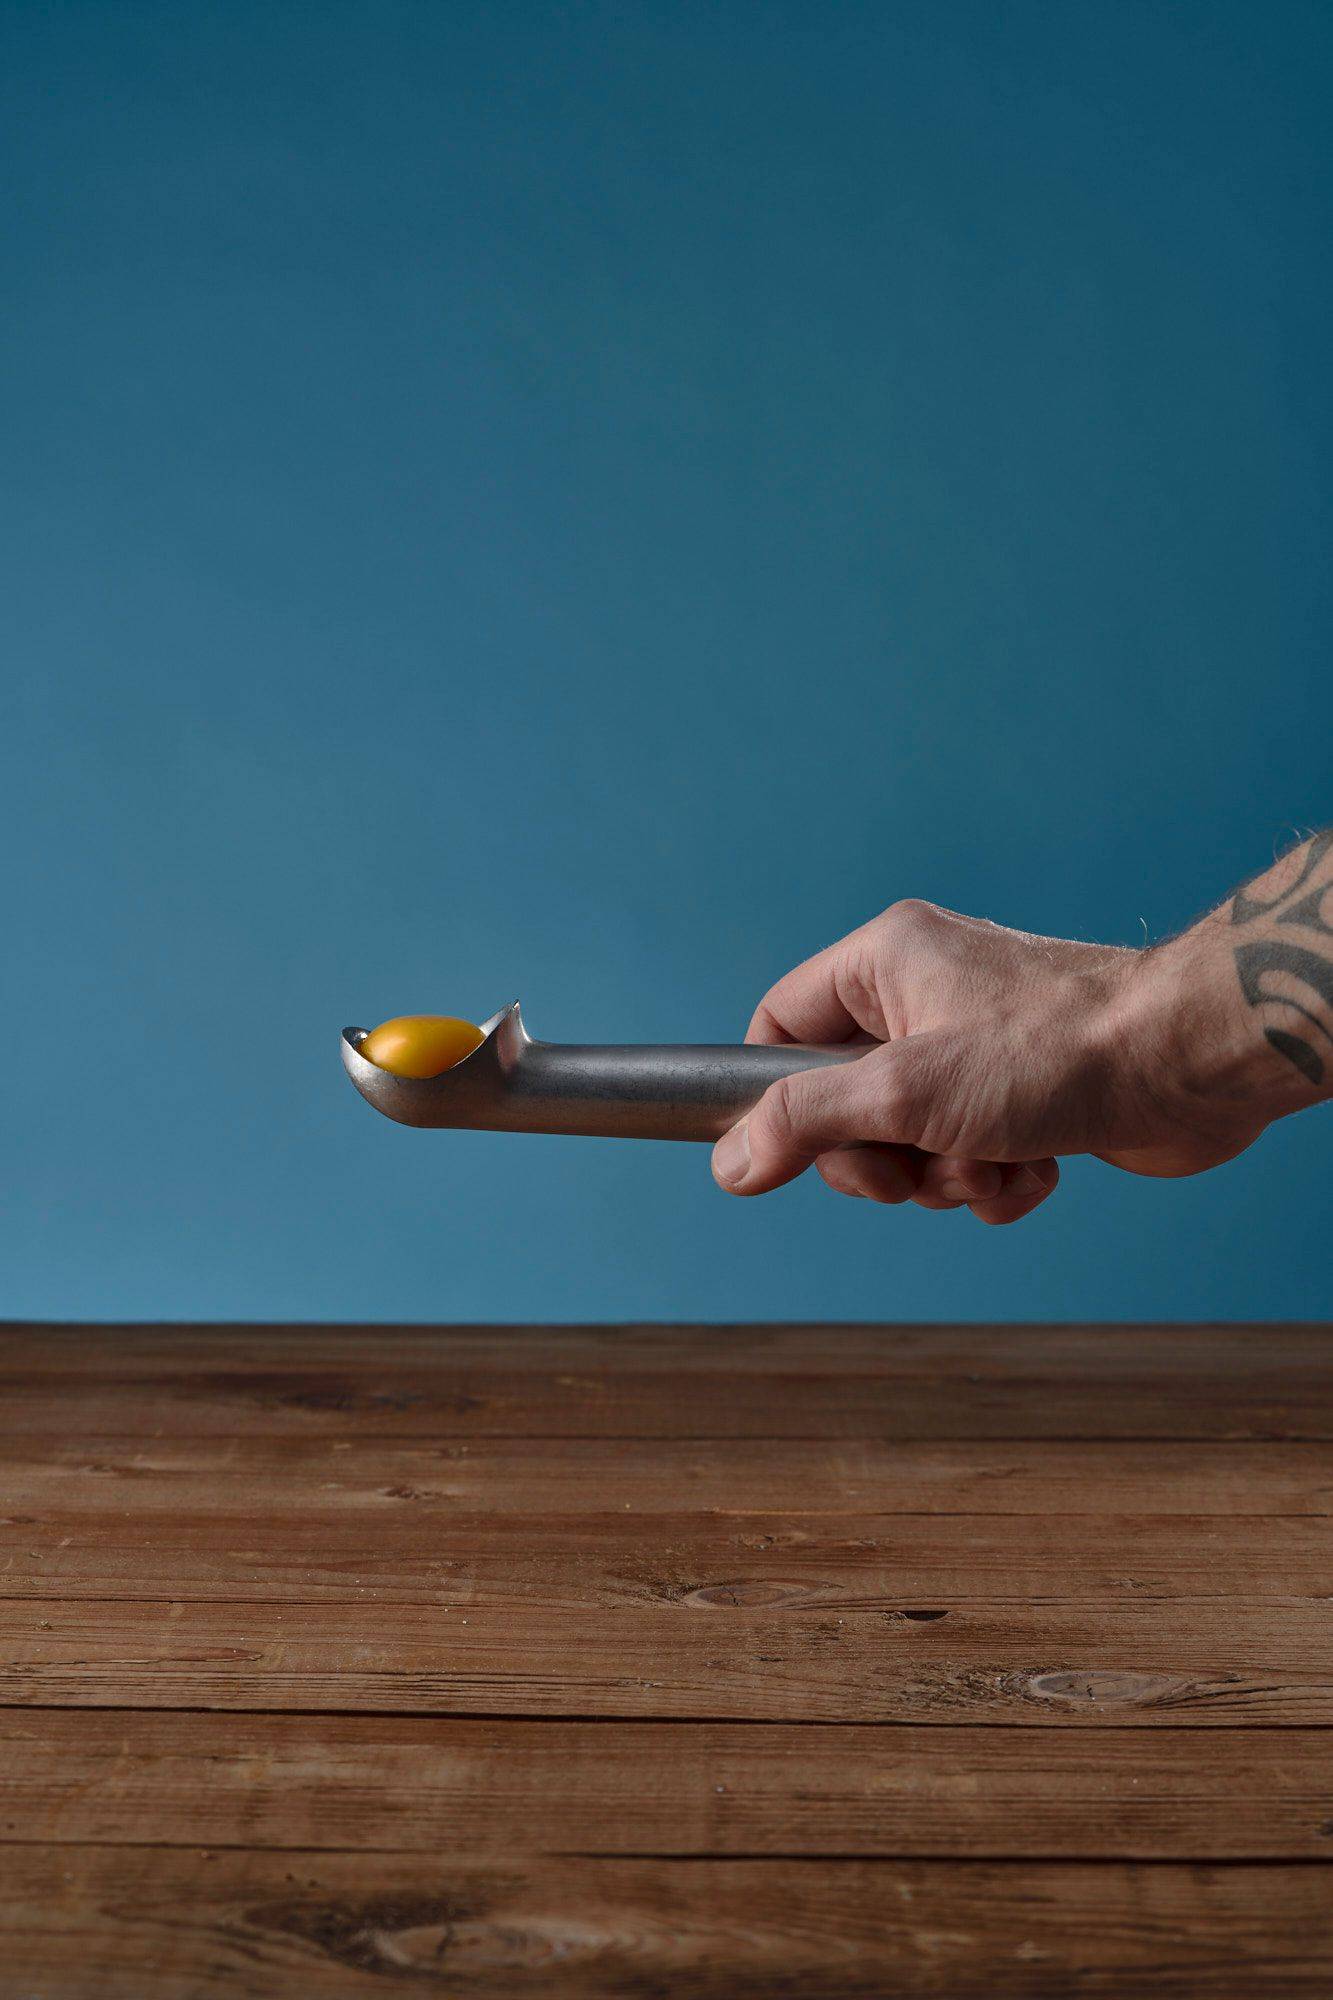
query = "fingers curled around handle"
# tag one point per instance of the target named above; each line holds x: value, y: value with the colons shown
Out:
x: 947, y: 1181
x: 803, y: 1116
x: 1025, y: 1186
x: 873, y: 1172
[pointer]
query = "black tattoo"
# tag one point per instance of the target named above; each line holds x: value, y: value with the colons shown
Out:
x: 1310, y: 969
x: 1298, y: 1052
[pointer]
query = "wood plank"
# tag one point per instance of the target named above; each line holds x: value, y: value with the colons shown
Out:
x: 272, y: 1591
x: 846, y: 1562
x: 160, y: 1477
x: 789, y: 1381
x: 1167, y: 1349
x: 1204, y: 1663
x: 215, y: 1924
x: 495, y: 1788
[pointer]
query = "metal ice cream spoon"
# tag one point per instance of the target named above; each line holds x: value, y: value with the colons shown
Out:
x: 511, y: 1083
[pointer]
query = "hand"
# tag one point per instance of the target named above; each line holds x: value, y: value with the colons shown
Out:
x: 990, y: 1051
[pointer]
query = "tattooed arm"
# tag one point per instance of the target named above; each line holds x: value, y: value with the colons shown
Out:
x: 989, y: 1052
x: 1284, y: 955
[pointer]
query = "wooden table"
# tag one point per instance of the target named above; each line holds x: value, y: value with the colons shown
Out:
x: 700, y: 1663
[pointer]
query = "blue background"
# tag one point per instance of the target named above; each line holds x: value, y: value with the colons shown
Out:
x: 591, y: 502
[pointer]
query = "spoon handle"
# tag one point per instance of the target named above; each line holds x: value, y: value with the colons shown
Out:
x: 648, y: 1091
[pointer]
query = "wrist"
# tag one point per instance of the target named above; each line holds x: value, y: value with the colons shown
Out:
x: 1207, y: 1049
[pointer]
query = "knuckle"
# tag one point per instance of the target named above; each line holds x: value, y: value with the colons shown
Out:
x: 856, y: 975
x: 910, y: 913
x: 894, y: 1106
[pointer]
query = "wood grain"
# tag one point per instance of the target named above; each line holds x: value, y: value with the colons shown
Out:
x: 213, y: 1924
x: 496, y: 1787
x: 283, y: 1477
x: 1158, y: 1664
x: 918, y: 1382
x: 664, y: 1661
x: 227, y: 1548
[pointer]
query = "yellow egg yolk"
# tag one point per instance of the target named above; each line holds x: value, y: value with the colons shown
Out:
x: 420, y: 1044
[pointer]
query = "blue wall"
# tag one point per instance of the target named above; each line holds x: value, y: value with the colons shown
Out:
x: 591, y: 501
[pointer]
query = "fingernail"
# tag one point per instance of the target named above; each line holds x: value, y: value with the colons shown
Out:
x: 1028, y: 1183
x: 955, y: 1191
x: 731, y: 1156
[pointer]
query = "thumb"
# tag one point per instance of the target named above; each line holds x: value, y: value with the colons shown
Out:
x: 801, y: 1116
